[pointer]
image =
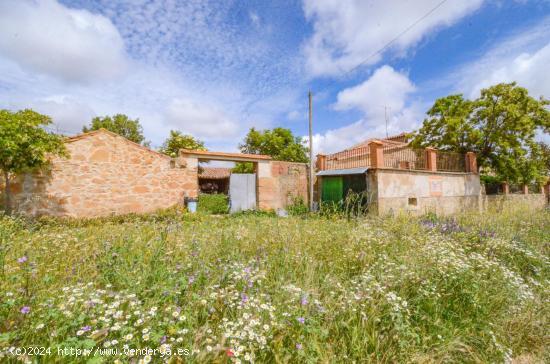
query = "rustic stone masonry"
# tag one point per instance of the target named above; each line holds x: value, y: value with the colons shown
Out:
x: 105, y: 174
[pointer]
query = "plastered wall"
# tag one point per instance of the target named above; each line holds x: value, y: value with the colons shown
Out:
x: 419, y: 192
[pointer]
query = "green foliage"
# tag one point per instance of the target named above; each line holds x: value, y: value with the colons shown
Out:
x: 25, y: 146
x: 474, y: 288
x: 499, y: 126
x: 279, y: 143
x: 215, y: 203
x: 177, y: 141
x: 243, y: 167
x: 298, y: 207
x: 354, y: 205
x: 121, y: 125
x: 545, y: 155
x: 487, y: 179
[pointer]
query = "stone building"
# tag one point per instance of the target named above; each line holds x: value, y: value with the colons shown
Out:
x: 107, y: 174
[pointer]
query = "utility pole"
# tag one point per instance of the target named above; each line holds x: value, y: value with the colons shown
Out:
x: 310, y: 157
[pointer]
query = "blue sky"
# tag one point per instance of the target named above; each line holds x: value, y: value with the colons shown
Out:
x: 216, y: 68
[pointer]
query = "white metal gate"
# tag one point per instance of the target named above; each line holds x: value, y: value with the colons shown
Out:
x: 242, y: 191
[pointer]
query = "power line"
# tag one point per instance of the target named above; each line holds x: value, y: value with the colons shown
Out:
x: 388, y: 44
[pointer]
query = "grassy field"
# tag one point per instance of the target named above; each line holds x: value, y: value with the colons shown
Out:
x: 265, y: 289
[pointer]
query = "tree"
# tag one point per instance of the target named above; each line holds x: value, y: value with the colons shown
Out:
x: 177, y: 141
x: 121, y: 125
x: 545, y: 155
x: 279, y: 143
x: 499, y: 126
x: 25, y: 146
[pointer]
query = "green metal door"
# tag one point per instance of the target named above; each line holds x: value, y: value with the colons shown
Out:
x: 333, y: 189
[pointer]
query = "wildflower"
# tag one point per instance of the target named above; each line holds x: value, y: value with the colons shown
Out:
x: 301, y: 320
x: 298, y: 346
x: 128, y: 337
x: 22, y: 260
x: 86, y: 328
x: 304, y: 301
x: 25, y: 310
x: 163, y: 339
x: 208, y: 348
x: 229, y: 353
x: 39, y: 326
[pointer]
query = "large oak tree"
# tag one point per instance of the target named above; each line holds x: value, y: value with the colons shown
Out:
x: 500, y: 127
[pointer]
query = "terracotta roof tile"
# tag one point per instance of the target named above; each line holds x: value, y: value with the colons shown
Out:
x: 214, y: 172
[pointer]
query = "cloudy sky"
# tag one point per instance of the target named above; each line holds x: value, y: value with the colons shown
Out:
x: 216, y: 68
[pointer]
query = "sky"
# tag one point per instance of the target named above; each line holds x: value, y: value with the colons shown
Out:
x: 214, y: 69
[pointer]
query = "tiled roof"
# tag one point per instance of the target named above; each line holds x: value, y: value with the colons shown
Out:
x: 214, y: 172
x: 205, y: 154
x: 386, y: 142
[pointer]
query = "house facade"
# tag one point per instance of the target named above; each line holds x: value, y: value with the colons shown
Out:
x: 395, y: 177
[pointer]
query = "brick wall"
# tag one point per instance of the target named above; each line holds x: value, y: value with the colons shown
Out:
x: 280, y: 182
x: 105, y: 174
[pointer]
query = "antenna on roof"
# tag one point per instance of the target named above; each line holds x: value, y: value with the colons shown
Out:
x: 386, y: 117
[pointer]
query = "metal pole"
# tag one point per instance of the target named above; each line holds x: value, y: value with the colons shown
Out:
x: 310, y: 157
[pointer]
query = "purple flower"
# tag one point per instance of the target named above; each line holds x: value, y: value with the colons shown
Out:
x: 25, y: 310
x: 304, y: 301
x: 191, y: 279
x: 22, y: 260
x: 244, y: 297
x: 299, y: 346
x: 86, y: 328
x: 163, y: 339
x: 301, y: 320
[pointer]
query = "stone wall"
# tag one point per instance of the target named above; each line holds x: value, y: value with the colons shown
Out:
x: 105, y: 174
x: 280, y: 182
x: 500, y: 202
x: 418, y: 192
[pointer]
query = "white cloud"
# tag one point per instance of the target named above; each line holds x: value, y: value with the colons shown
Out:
x: 385, y: 88
x: 174, y: 65
x: 200, y: 120
x: 67, y: 113
x: 254, y: 18
x: 345, y: 34
x: 528, y: 69
x: 69, y: 44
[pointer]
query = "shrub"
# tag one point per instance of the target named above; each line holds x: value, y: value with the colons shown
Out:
x: 298, y: 207
x: 213, y: 204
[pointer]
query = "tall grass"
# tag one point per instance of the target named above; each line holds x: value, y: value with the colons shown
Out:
x: 474, y: 288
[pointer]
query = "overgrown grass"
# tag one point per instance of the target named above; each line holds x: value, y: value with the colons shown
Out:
x: 266, y: 289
